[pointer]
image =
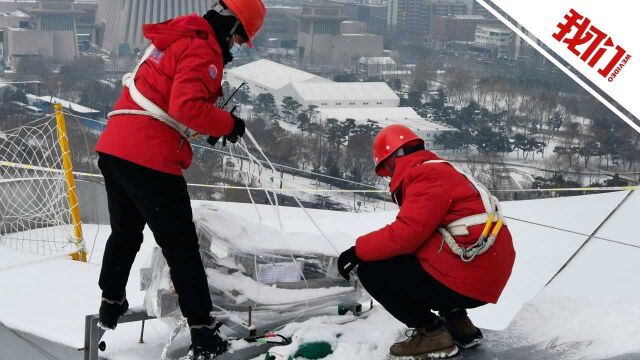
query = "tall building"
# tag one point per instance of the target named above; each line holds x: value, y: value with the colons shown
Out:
x: 46, y: 28
x: 499, y: 40
x: 280, y: 28
x: 375, y: 16
x: 412, y: 18
x: 319, y: 25
x: 119, y: 22
x: 323, y: 39
x: 457, y: 27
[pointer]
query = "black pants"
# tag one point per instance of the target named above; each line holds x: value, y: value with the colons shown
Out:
x: 139, y: 196
x: 409, y: 293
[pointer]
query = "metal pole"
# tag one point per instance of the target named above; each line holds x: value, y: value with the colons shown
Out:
x: 141, y: 341
x: 63, y: 140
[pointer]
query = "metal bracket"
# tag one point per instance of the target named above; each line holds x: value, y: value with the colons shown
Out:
x: 93, y: 334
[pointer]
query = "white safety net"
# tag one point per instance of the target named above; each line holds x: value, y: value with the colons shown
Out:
x: 34, y: 210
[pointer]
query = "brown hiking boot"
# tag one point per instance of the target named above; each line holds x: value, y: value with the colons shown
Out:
x: 464, y: 333
x: 424, y: 344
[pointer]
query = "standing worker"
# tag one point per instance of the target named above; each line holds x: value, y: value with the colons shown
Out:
x: 447, y: 251
x: 167, y: 98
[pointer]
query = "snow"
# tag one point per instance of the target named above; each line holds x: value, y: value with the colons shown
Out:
x: 590, y: 309
x: 68, y: 105
x: 266, y: 294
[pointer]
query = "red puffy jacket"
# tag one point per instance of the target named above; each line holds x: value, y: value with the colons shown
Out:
x: 431, y: 196
x: 183, y: 77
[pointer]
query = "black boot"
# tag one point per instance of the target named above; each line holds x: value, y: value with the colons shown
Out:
x: 110, y: 312
x: 206, y: 343
x: 465, y: 334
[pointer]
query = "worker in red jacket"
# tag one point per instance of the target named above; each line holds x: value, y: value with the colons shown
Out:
x: 447, y: 251
x: 169, y: 97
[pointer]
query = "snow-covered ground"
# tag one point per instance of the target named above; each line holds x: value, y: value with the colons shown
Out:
x: 590, y: 310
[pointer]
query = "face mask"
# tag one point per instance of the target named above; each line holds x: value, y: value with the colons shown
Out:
x: 235, y: 49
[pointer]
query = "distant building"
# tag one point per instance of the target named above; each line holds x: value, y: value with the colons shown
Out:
x: 48, y: 28
x: 412, y: 18
x: 22, y: 43
x: 384, y: 116
x: 12, y: 5
x: 345, y: 94
x: 376, y: 66
x: 353, y: 27
x: 14, y: 19
x: 280, y: 28
x: 86, y: 23
x: 60, y: 18
x: 374, y: 16
x: 264, y: 76
x: 119, y: 22
x: 457, y: 28
x: 321, y: 42
x: 361, y: 101
x: 497, y: 39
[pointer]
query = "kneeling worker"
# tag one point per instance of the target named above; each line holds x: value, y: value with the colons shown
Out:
x: 447, y: 251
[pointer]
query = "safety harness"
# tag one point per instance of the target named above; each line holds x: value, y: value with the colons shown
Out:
x: 150, y: 109
x: 461, y: 226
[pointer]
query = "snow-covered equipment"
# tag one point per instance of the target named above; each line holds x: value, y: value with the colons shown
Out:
x: 252, y: 274
x: 256, y: 283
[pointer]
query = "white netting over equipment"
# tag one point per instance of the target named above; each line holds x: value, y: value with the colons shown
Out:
x: 35, y: 214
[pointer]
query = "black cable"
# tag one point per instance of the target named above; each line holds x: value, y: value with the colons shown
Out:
x: 573, y: 232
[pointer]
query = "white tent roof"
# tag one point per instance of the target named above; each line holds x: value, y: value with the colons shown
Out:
x: 354, y: 91
x: 383, y: 116
x: 272, y: 75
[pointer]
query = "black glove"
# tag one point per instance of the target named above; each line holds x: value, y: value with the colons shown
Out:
x: 236, y: 133
x: 238, y: 129
x: 347, y: 261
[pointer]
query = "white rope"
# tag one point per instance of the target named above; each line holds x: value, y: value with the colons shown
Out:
x: 246, y: 184
x: 255, y: 143
x: 315, y: 224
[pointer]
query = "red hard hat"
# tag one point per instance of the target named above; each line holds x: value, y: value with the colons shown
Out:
x: 251, y: 15
x: 388, y: 141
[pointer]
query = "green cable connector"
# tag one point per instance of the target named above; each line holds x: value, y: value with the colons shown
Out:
x: 313, y: 351
x: 310, y: 351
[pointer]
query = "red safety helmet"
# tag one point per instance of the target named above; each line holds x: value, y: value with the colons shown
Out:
x: 388, y: 141
x: 250, y: 13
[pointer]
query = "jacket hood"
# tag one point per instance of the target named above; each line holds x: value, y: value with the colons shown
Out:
x: 406, y: 163
x: 165, y: 33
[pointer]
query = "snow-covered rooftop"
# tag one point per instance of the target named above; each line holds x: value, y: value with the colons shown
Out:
x: 334, y: 91
x: 271, y: 75
x: 383, y: 116
x: 14, y: 13
x: 590, y: 310
x: 68, y: 105
x: 383, y: 60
